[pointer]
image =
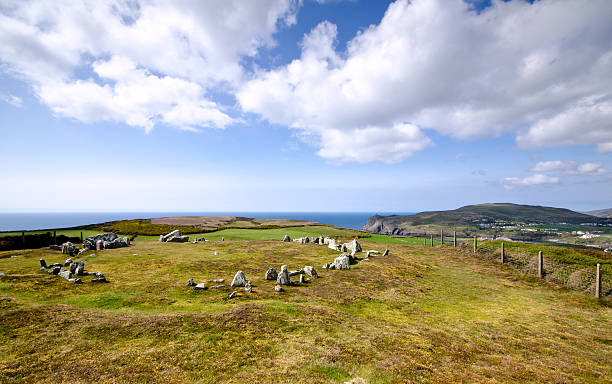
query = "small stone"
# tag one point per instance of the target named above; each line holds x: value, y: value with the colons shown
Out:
x: 216, y: 253
x: 2, y: 274
x: 216, y: 280
x: 232, y: 295
x: 217, y: 286
x: 310, y: 271
x: 56, y: 270
x: 386, y: 252
x: 278, y: 288
x: 248, y: 287
x: 200, y: 286
x: 75, y: 280
x: 223, y: 239
x: 239, y: 279
x: 283, y: 276
x: 301, y: 279
x: 286, y: 238
x: 67, y: 262
x: 271, y: 274
x: 43, y: 263
x: 191, y: 283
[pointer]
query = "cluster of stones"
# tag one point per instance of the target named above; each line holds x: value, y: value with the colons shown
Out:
x: 104, y: 241
x: 173, y: 237
x: 284, y: 276
x: 349, y: 250
x: 75, y: 268
x: 202, y: 286
x: 196, y: 240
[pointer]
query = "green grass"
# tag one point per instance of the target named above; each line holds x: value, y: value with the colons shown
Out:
x: 422, y: 314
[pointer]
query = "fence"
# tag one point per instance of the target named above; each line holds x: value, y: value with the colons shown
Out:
x: 592, y: 277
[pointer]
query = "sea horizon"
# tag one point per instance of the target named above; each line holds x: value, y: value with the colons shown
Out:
x: 33, y: 221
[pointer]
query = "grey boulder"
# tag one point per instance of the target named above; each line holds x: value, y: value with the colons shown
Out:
x: 283, y: 276
x: 342, y: 262
x: 310, y: 271
x: 239, y: 279
x: 271, y: 274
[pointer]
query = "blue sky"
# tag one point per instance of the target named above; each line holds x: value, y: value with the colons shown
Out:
x: 277, y: 105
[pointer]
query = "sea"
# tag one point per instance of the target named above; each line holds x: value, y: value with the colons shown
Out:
x: 38, y: 221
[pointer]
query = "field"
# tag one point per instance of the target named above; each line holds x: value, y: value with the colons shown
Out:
x: 421, y: 314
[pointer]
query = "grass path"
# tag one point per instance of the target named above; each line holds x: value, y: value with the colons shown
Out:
x: 419, y: 315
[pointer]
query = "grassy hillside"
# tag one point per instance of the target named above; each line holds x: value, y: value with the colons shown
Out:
x: 601, y: 213
x: 422, y: 314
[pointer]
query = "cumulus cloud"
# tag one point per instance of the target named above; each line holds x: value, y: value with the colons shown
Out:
x: 136, y: 62
x: 542, y: 70
x: 570, y: 167
x: 537, y: 179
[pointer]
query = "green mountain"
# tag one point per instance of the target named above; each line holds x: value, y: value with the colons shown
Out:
x: 607, y: 213
x: 474, y: 215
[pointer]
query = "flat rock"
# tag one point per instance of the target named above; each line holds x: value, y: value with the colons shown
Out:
x: 232, y: 295
x: 239, y: 279
x: 386, y: 252
x: 200, y: 286
x: 278, y: 288
x: 216, y: 280
x: 217, y: 286
x: 296, y: 272
x: 65, y: 274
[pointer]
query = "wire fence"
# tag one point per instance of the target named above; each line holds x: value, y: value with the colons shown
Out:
x: 578, y: 277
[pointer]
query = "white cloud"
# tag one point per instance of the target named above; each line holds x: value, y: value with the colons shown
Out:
x: 13, y: 100
x: 437, y: 65
x: 137, y: 62
x: 570, y: 167
x: 537, y: 179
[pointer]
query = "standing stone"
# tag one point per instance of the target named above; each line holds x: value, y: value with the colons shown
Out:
x: 191, y: 283
x: 222, y: 238
x: 301, y: 279
x: 232, y: 295
x: 43, y: 263
x: 79, y: 270
x: 386, y: 252
x: 310, y: 271
x: 67, y: 262
x: 286, y: 238
x: 353, y: 246
x: 342, y: 262
x: 248, y: 287
x: 283, y: 276
x: 332, y: 244
x: 99, y: 245
x: 271, y: 274
x: 239, y: 279
x: 278, y: 288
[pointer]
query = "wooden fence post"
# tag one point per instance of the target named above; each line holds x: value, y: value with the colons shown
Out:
x: 432, y: 240
x: 540, y: 265
x: 502, y: 253
x: 475, y: 244
x: 54, y: 238
x: 441, y: 237
x: 22, y: 237
x: 454, y: 239
x: 598, y: 282
x: 81, y: 237
x: 425, y: 241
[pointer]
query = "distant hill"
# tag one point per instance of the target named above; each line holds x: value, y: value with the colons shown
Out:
x: 472, y: 215
x: 601, y: 213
